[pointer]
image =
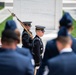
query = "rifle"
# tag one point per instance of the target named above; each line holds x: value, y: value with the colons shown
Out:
x: 21, y: 23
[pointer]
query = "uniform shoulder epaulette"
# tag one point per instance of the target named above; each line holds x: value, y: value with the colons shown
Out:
x: 24, y: 33
x: 36, y: 39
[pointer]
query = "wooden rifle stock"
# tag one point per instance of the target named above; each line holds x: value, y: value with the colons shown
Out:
x: 22, y: 24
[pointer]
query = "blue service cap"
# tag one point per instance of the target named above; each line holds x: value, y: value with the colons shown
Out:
x: 66, y: 20
x: 38, y: 27
x: 10, y: 24
x: 27, y: 23
x: 63, y: 32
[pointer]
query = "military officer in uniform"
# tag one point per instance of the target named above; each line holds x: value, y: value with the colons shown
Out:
x: 51, y: 49
x: 11, y: 25
x: 38, y: 45
x: 65, y: 62
x: 12, y: 62
x: 26, y: 39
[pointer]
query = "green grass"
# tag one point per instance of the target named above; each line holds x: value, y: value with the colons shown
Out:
x: 2, y: 25
x: 74, y: 30
x: 1, y: 7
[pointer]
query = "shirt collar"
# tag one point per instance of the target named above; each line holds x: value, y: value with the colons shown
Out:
x: 66, y: 50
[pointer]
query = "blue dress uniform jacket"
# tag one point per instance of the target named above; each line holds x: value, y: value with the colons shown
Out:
x: 24, y: 51
x: 37, y: 50
x: 52, y: 51
x: 13, y: 63
x: 64, y: 64
x: 26, y: 40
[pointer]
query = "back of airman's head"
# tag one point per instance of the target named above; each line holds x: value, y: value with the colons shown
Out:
x: 63, y: 36
x: 18, y: 34
x: 9, y: 36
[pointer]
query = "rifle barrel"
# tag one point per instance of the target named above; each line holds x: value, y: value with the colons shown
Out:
x: 22, y: 24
